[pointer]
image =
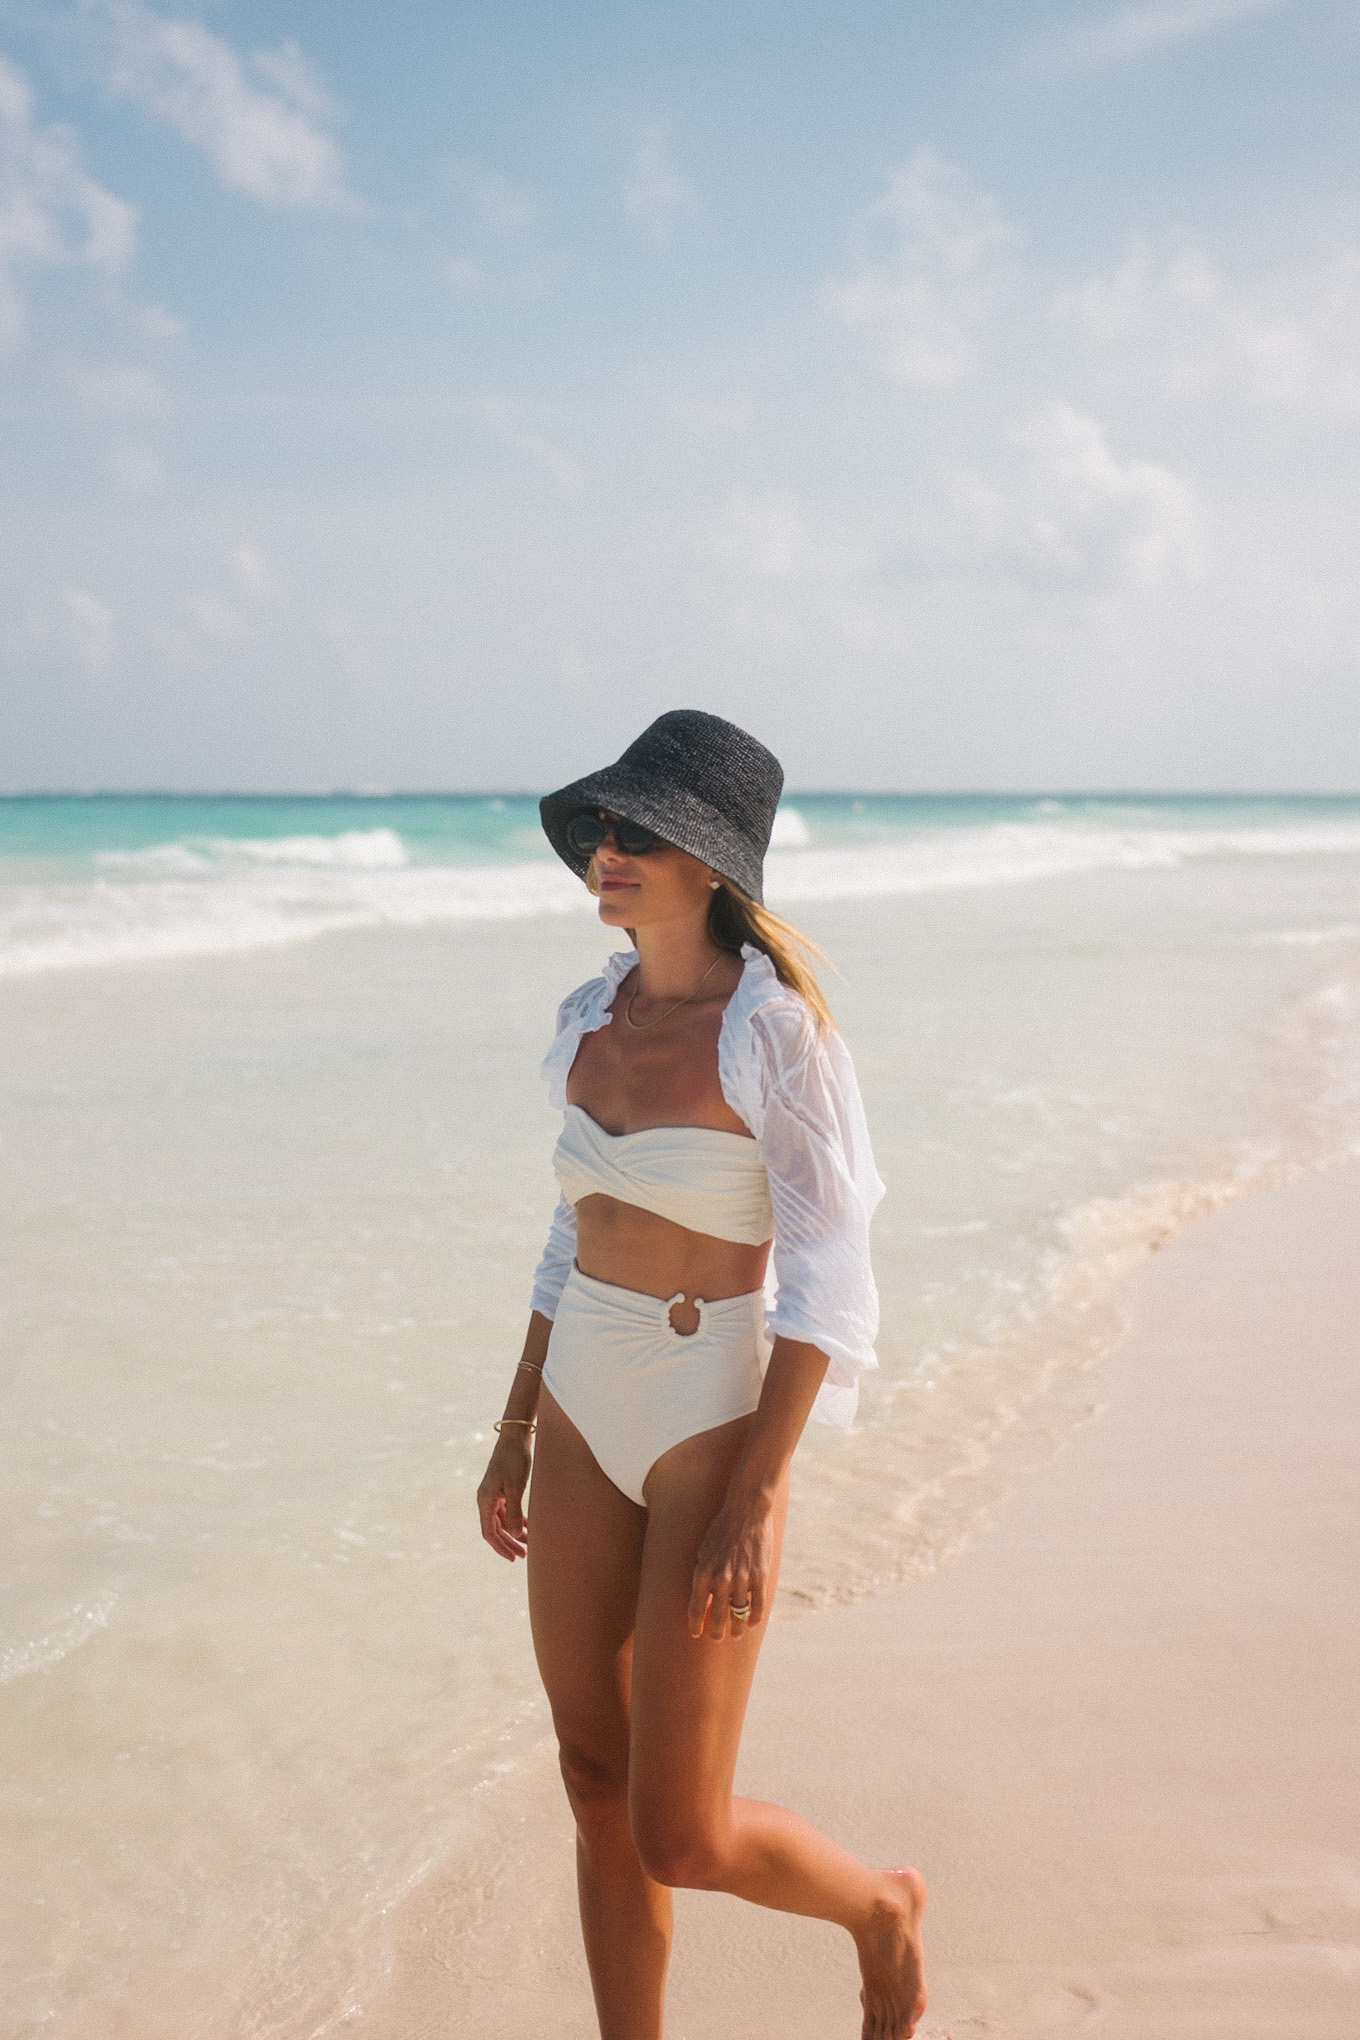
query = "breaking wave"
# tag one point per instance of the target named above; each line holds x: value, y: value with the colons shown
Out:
x: 213, y: 895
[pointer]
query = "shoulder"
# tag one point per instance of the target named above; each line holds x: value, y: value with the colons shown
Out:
x: 582, y: 1012
x: 783, y: 1030
x: 768, y: 1034
x: 799, y: 1083
x: 588, y: 1006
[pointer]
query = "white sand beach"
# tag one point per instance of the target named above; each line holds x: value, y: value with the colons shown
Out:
x: 1118, y: 1735
x: 278, y: 1756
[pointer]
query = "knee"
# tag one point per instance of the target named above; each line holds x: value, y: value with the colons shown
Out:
x: 596, y: 1788
x: 679, y: 1849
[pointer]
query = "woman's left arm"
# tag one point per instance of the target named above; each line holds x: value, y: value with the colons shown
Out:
x: 736, y: 1558
x: 803, y: 1106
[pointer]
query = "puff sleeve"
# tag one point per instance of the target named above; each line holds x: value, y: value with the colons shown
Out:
x: 550, y: 1276
x: 797, y: 1092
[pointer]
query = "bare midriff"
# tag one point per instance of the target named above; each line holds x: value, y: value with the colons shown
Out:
x: 635, y: 1249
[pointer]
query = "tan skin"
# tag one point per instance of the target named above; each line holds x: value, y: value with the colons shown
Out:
x: 646, y: 1666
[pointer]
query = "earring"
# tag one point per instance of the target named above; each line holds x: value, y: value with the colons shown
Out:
x: 713, y: 884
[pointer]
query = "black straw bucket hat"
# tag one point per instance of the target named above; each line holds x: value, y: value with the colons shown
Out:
x: 695, y: 780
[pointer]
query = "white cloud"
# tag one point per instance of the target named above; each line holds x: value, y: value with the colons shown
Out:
x: 1139, y: 31
x: 90, y: 626
x: 656, y: 194
x: 252, y: 569
x: 1078, y: 514
x: 52, y: 212
x: 1057, y: 513
x: 562, y: 466
x: 923, y: 302
x: 288, y: 70
x: 261, y: 122
x: 1179, y: 325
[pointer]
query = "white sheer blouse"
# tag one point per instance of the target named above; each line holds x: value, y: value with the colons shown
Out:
x: 797, y: 1094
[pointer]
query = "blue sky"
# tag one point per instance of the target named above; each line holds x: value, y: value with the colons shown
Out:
x: 429, y: 395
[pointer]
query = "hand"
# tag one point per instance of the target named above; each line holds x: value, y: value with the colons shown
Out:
x: 735, y: 1562
x: 500, y: 1496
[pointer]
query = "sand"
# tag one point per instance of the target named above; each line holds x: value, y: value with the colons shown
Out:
x: 1120, y: 1735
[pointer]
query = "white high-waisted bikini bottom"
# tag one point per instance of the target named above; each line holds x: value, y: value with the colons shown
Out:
x: 634, y: 1386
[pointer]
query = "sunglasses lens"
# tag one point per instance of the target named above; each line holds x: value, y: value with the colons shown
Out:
x: 633, y: 839
x: 585, y: 833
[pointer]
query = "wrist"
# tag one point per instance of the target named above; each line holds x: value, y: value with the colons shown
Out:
x: 514, y: 1431
x: 754, y: 1490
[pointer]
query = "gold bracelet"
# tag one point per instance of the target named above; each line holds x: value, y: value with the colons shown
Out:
x: 530, y: 1365
x: 501, y: 1422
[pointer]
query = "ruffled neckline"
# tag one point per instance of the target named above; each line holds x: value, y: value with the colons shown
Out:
x: 753, y: 988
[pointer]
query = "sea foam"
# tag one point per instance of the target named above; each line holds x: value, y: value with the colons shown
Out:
x: 66, y: 1634
x: 351, y: 850
x: 214, y: 895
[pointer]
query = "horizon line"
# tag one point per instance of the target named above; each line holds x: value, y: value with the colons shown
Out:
x: 790, y: 793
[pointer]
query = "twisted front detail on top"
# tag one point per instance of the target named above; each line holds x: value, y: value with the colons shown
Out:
x: 696, y: 1176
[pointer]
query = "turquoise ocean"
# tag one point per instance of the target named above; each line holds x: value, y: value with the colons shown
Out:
x: 274, y: 1172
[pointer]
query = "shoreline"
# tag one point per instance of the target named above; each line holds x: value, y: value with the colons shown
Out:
x: 1137, y: 1682
x: 264, y: 1308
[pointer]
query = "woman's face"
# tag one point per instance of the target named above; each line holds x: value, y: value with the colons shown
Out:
x: 667, y: 884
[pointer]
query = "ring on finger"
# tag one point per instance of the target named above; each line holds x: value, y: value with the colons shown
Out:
x: 740, y: 1611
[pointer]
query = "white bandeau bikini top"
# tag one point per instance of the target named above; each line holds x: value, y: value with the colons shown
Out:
x: 697, y: 1176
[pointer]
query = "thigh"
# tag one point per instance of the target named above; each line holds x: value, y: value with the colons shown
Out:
x: 689, y: 1697
x: 585, y: 1556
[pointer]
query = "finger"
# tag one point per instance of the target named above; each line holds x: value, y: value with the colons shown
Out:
x: 506, y: 1546
x: 698, y: 1604
x: 510, y: 1531
x: 717, y: 1614
x: 755, y: 1594
x: 743, y: 1596
x: 496, y: 1531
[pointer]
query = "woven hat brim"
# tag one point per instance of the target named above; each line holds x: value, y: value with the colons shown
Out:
x: 673, y: 812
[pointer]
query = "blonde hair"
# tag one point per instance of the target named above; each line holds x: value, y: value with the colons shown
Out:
x: 734, y: 920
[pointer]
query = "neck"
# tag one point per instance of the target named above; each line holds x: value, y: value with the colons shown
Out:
x: 672, y: 957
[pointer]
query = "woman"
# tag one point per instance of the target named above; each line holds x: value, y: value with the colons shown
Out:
x: 710, y: 1112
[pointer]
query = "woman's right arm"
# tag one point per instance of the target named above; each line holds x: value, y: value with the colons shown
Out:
x: 500, y: 1498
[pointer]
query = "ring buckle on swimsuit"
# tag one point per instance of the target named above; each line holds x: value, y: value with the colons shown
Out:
x: 669, y: 1305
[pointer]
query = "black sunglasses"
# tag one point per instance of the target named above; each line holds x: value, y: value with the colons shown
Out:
x: 585, y: 833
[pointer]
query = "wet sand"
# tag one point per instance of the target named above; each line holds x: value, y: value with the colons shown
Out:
x: 1119, y: 1735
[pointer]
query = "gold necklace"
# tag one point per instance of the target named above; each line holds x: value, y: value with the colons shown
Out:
x: 638, y: 1025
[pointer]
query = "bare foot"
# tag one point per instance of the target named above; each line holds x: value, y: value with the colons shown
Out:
x: 891, y: 1960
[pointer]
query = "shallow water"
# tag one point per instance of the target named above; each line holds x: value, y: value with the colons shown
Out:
x: 275, y: 1171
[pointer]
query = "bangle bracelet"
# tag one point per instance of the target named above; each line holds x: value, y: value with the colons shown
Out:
x: 530, y: 1365
x: 501, y: 1422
